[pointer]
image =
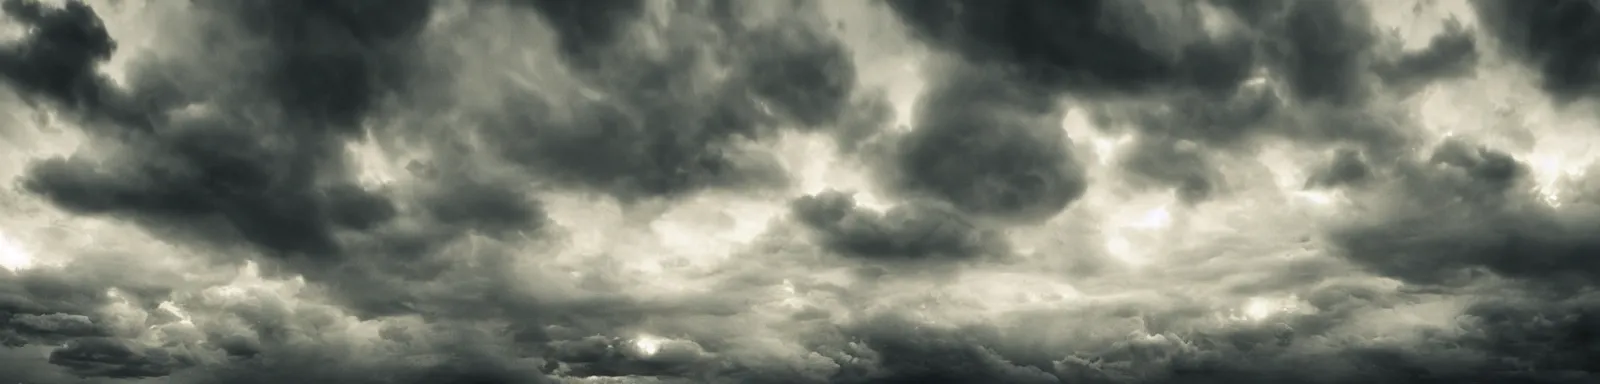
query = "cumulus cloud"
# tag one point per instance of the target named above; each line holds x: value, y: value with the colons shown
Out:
x: 691, y: 191
x: 1547, y: 37
x: 913, y: 230
x: 1021, y: 168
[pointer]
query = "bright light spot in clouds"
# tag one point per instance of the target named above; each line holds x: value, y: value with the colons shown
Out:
x: 1556, y: 161
x: 249, y: 282
x: 1547, y: 172
x: 12, y: 256
x: 172, y: 308
x: 1122, y: 250
x: 1290, y: 173
x: 1258, y: 309
x: 711, y: 226
x: 1155, y: 219
x: 647, y: 345
x: 1080, y: 129
x: 817, y: 167
x: 1217, y: 23
x: 1262, y: 308
x: 1317, y: 197
x: 1133, y: 235
x: 372, y: 166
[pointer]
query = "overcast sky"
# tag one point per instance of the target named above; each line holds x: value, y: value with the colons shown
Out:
x: 831, y: 191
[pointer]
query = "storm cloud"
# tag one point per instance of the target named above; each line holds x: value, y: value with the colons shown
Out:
x: 808, y: 191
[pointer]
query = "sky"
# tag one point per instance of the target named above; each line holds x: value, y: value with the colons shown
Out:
x: 788, y: 191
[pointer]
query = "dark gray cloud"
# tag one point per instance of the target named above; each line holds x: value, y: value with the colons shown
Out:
x: 314, y: 365
x: 258, y: 160
x: 1453, y: 53
x: 107, y: 357
x: 904, y: 352
x: 987, y: 146
x: 67, y: 310
x: 916, y: 230
x: 1465, y: 208
x: 331, y: 62
x: 1555, y: 38
x: 1322, y: 47
x: 1465, y: 216
x: 261, y: 162
x: 1345, y: 167
x: 57, y: 59
x: 1081, y: 47
x: 1541, y: 343
x: 1077, y: 45
x: 1188, y: 85
x: 457, y: 275
x: 1174, y: 163
x: 1176, y: 137
x: 1556, y: 336
x: 47, y: 310
x: 663, y: 121
x: 583, y: 27
x: 1448, y: 219
x: 265, y: 164
x: 275, y: 181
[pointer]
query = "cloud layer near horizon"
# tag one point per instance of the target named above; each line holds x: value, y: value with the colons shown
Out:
x: 829, y: 191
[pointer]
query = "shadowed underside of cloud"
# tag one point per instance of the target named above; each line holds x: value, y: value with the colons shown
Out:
x: 1096, y: 51
x: 258, y: 163
x: 669, y: 120
x: 57, y: 60
x: 1556, y: 38
x: 1468, y: 208
x: 913, y: 230
x: 989, y: 148
x: 241, y: 149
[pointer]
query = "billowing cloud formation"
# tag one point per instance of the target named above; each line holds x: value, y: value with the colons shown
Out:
x: 57, y: 58
x: 668, y: 119
x: 1550, y: 37
x: 914, y: 230
x: 1020, y: 167
x: 1083, y: 45
x: 821, y: 191
x: 197, y: 162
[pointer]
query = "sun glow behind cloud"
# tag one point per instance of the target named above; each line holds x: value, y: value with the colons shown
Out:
x: 1136, y: 231
x: 12, y: 256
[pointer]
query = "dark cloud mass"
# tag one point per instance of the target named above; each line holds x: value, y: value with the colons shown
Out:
x: 1095, y: 50
x: 103, y: 357
x: 988, y: 149
x: 1346, y: 167
x: 57, y: 59
x: 270, y: 180
x: 1466, y: 209
x: 1082, y: 45
x: 1556, y: 38
x: 798, y: 191
x: 1450, y: 54
x: 670, y: 120
x: 914, y: 230
x: 583, y: 26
